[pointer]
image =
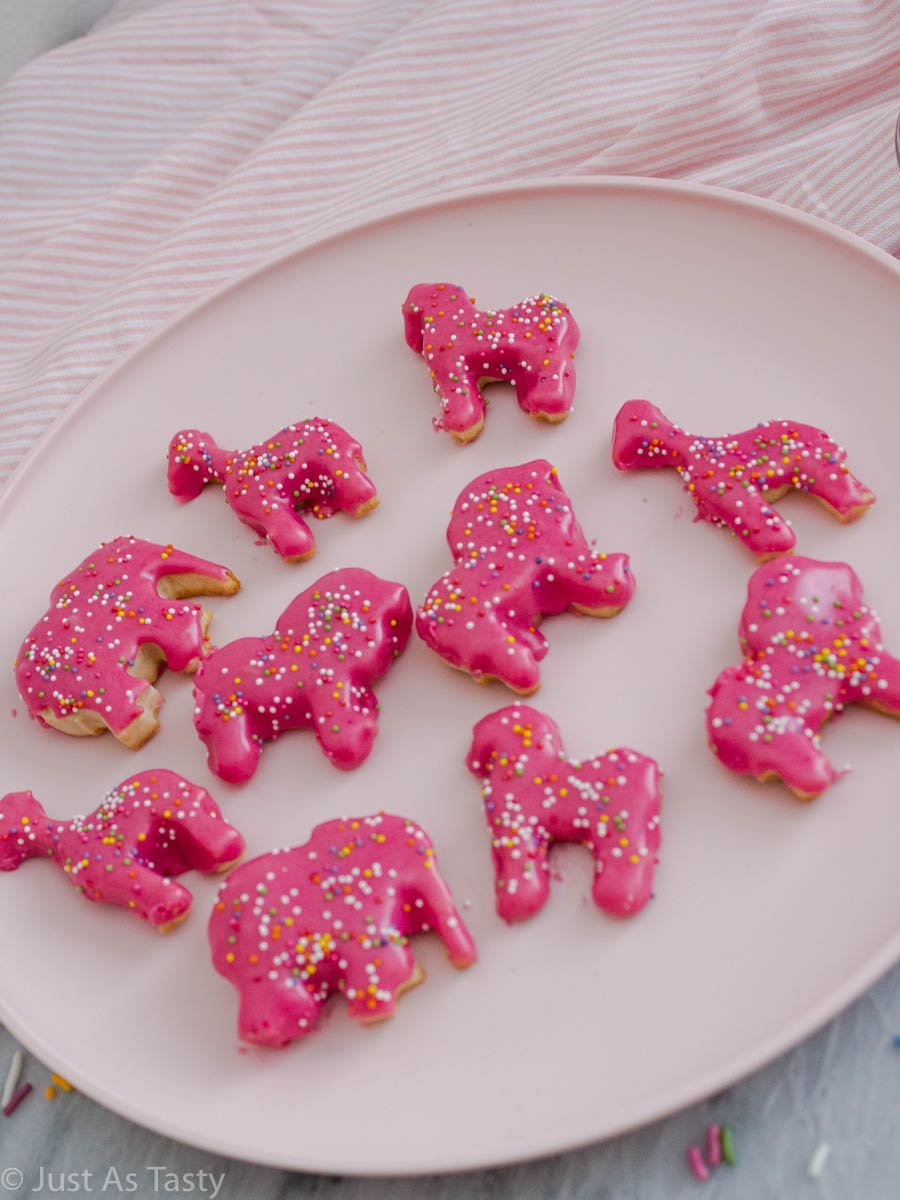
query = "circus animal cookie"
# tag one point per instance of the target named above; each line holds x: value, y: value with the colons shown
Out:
x: 314, y: 467
x: 334, y: 915
x: 811, y: 647
x: 530, y: 345
x: 153, y: 826
x: 316, y: 671
x: 520, y: 555
x: 90, y: 662
x: 534, y: 796
x: 733, y: 480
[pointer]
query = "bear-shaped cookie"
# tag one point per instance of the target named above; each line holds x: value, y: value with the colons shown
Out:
x: 811, y: 647
x: 520, y: 555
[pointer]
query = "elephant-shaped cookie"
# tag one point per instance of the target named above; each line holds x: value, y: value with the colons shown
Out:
x: 811, y: 647
x: 530, y: 345
x: 313, y: 467
x: 90, y: 662
x: 534, y: 795
x: 733, y: 480
x: 153, y: 826
x: 520, y: 555
x: 316, y: 671
x: 336, y: 914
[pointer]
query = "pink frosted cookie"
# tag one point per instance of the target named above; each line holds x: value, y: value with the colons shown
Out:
x: 153, y: 826
x: 520, y: 555
x: 811, y: 648
x: 314, y: 467
x: 316, y: 671
x: 534, y: 796
x: 734, y: 480
x: 333, y: 915
x: 530, y: 345
x: 90, y: 662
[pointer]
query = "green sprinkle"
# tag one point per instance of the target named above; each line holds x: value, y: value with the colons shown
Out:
x: 727, y: 1144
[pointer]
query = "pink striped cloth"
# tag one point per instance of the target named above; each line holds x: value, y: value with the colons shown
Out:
x: 182, y: 141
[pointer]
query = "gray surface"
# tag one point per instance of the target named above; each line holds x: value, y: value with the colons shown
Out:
x: 841, y: 1086
x: 29, y: 27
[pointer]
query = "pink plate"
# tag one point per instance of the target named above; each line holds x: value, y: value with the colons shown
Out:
x: 769, y: 915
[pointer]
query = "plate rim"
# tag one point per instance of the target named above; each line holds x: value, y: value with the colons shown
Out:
x: 724, y: 1074
x: 386, y: 213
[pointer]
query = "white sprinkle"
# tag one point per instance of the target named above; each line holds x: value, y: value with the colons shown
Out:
x: 12, y: 1078
x: 818, y: 1159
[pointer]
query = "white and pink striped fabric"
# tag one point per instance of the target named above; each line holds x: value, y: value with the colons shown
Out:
x: 183, y: 141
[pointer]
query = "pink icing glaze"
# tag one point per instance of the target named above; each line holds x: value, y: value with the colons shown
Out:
x: 733, y: 479
x: 316, y: 670
x: 534, y: 795
x: 314, y: 467
x: 153, y: 826
x: 335, y: 914
x: 811, y: 648
x: 520, y: 555
x: 530, y: 345
x: 78, y: 658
